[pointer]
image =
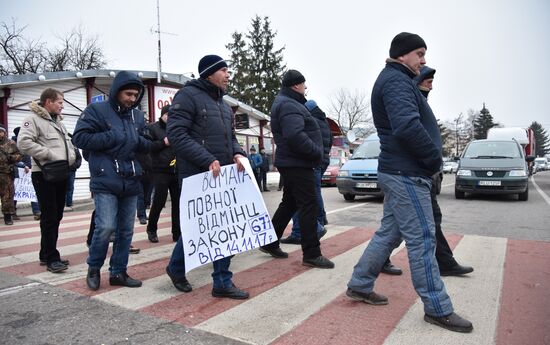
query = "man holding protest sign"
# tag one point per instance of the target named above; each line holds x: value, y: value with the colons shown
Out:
x: 200, y: 130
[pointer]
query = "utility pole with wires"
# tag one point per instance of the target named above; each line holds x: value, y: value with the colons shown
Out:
x: 159, y: 62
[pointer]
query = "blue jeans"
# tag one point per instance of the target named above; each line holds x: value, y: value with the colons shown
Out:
x: 318, y: 172
x: 112, y: 214
x: 35, y: 207
x: 221, y: 276
x: 70, y: 189
x: 407, y: 215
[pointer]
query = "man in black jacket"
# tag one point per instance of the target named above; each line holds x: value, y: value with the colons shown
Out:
x: 164, y: 178
x: 299, y: 151
x: 201, y: 132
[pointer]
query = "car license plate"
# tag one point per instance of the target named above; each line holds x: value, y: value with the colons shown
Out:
x: 366, y: 185
x: 489, y: 183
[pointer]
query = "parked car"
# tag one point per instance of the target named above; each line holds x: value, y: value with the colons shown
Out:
x: 359, y: 175
x: 329, y: 176
x: 493, y: 167
x: 450, y: 167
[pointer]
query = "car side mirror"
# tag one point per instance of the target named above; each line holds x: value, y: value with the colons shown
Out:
x: 530, y: 158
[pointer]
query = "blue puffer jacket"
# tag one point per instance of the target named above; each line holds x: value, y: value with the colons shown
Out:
x: 410, y: 141
x: 200, y: 128
x: 296, y: 132
x: 111, y: 135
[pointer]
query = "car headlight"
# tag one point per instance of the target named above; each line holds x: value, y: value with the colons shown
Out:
x: 463, y: 172
x: 343, y: 173
x: 518, y: 173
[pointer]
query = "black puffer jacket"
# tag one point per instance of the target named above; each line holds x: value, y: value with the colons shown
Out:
x: 296, y: 132
x: 162, y: 155
x: 200, y: 128
x: 321, y: 118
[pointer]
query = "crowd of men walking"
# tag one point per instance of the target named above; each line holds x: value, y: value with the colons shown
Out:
x: 196, y: 134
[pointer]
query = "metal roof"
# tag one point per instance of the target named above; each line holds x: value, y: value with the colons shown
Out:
x: 178, y: 80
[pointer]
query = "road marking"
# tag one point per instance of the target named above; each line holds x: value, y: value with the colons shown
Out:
x: 475, y: 297
x: 15, y: 289
x: 541, y: 192
x: 345, y: 208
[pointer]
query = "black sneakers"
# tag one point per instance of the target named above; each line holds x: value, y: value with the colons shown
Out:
x: 93, y: 278
x: 181, y: 284
x: 64, y: 262
x: 123, y: 279
x: 232, y: 292
x: 389, y: 268
x: 56, y: 267
x: 275, y: 252
x: 456, y: 270
x: 452, y: 322
x: 152, y: 237
x: 318, y: 262
x: 291, y: 240
x: 370, y: 298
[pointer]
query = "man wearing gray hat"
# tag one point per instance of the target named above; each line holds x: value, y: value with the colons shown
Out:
x: 410, y: 145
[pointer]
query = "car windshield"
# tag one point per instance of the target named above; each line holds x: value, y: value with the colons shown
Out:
x: 367, y: 150
x: 334, y: 161
x: 492, y: 150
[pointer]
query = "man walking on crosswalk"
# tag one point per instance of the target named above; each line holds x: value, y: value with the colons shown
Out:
x: 410, y: 145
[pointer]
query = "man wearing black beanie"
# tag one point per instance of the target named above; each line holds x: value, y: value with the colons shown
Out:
x: 299, y: 150
x: 203, y: 138
x: 410, y: 145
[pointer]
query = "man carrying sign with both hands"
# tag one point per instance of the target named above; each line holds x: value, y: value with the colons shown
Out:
x: 201, y: 132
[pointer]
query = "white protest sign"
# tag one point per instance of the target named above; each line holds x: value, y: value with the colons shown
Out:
x: 222, y: 216
x: 163, y: 96
x: 24, y: 190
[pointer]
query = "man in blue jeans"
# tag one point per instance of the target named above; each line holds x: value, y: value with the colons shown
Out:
x: 112, y: 133
x: 200, y: 130
x: 410, y: 145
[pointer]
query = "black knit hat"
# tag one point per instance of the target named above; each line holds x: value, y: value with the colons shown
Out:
x: 293, y: 77
x: 210, y: 64
x: 405, y: 43
x: 131, y: 86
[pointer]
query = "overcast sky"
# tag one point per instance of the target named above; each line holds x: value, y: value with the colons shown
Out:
x: 484, y: 50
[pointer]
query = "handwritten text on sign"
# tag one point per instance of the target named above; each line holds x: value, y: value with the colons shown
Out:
x: 222, y: 216
x: 24, y: 189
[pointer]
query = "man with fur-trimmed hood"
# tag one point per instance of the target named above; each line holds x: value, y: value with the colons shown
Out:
x: 44, y: 137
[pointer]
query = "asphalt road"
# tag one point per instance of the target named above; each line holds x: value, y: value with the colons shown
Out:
x: 34, y: 312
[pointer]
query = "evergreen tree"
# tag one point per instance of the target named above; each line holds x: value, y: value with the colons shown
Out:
x: 257, y: 67
x: 482, y: 123
x: 541, y: 139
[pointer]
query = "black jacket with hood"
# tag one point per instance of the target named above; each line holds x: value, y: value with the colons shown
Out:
x: 112, y: 135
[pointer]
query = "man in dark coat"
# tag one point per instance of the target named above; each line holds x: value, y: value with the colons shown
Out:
x: 164, y: 178
x: 410, y: 145
x: 320, y: 116
x: 200, y: 130
x: 112, y: 133
x: 299, y: 151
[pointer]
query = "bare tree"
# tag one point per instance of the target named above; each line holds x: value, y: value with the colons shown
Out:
x: 351, y: 111
x: 19, y: 55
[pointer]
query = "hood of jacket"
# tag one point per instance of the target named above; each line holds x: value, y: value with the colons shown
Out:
x: 424, y: 73
x: 39, y: 110
x: 122, y: 79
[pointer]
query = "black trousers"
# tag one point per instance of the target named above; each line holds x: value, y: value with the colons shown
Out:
x: 165, y: 183
x: 299, y: 194
x: 51, y: 196
x: 443, y: 253
x: 263, y: 180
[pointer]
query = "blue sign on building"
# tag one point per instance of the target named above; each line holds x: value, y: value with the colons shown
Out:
x: 98, y: 98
